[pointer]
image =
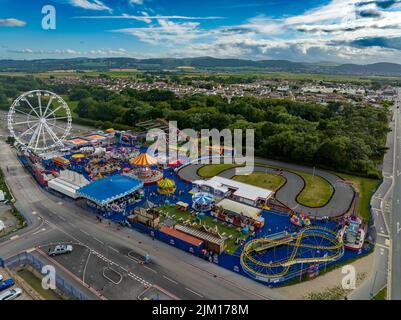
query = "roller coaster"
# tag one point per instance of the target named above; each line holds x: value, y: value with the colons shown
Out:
x: 274, y: 258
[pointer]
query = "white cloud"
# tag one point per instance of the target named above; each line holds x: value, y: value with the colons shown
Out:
x: 71, y: 52
x: 96, y: 5
x: 12, y: 22
x: 167, y: 32
x: 324, y: 33
x: 138, y: 2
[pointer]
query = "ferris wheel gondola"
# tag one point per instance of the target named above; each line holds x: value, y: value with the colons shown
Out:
x: 39, y: 120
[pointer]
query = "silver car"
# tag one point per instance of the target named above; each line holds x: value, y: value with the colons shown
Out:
x: 60, y: 249
x: 11, y: 294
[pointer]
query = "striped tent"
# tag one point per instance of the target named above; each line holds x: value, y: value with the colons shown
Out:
x: 202, y: 201
x: 144, y: 160
x: 166, y: 186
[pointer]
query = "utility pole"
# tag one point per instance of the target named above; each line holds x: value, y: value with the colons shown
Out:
x: 313, y: 173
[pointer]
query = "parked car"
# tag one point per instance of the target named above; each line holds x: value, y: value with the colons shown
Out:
x: 59, y: 249
x: 6, y: 284
x: 11, y: 294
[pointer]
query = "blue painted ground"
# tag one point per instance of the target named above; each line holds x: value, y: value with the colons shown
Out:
x: 275, y: 222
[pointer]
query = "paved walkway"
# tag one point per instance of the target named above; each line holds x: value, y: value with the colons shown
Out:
x: 339, y: 203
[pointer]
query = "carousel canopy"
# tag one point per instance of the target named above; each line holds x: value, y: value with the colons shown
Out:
x: 166, y: 183
x: 106, y: 190
x: 144, y: 160
x: 202, y: 198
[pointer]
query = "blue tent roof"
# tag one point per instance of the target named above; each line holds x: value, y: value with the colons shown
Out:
x: 106, y: 190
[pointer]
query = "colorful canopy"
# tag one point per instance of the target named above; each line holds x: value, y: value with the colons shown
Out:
x: 144, y: 160
x: 202, y: 198
x: 166, y: 183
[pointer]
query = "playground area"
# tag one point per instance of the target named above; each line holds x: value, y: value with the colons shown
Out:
x: 237, y: 222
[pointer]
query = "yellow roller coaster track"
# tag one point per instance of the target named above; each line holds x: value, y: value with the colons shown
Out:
x: 259, y: 244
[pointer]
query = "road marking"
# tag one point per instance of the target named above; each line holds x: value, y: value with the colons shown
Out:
x: 34, y: 212
x: 14, y: 237
x: 198, y: 294
x: 114, y: 249
x: 98, y: 240
x: 383, y: 235
x: 39, y: 231
x: 150, y: 269
x: 169, y: 279
x: 30, y: 250
x: 62, y: 218
x: 382, y: 247
x: 83, y: 231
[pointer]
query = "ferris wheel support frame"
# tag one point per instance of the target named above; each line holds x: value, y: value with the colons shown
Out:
x: 38, y: 121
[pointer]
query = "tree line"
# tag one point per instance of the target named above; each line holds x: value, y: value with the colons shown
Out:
x: 337, y: 136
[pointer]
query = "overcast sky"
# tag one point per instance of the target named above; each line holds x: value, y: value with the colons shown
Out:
x: 358, y: 31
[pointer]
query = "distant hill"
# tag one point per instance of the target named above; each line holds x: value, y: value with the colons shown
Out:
x: 203, y: 63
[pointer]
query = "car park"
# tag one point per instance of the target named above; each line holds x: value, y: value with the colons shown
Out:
x: 59, y: 249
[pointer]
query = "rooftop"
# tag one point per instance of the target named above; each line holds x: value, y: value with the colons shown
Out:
x: 243, y: 190
x: 239, y: 208
x: 106, y: 190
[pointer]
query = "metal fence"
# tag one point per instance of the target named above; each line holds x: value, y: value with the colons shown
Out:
x: 64, y: 286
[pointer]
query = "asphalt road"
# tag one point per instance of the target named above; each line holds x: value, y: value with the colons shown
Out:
x: 339, y: 203
x: 395, y: 256
x: 384, y: 208
x: 55, y: 220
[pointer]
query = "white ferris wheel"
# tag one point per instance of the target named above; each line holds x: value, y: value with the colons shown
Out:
x: 39, y: 120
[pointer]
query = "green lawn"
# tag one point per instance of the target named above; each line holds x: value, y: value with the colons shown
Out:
x: 262, y: 180
x: 212, y: 170
x: 317, y: 191
x: 381, y: 295
x: 365, y: 187
x: 36, y: 284
x: 223, y: 228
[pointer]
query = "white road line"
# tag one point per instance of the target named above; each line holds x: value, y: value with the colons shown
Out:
x: 114, y: 249
x: 62, y: 218
x: 98, y: 240
x: 39, y: 231
x: 198, y: 294
x: 150, y: 269
x: 169, y: 279
x: 83, y: 231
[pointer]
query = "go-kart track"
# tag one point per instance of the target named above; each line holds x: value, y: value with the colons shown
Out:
x: 266, y: 236
x: 339, y: 203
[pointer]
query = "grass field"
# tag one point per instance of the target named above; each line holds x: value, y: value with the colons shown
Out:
x: 365, y: 187
x: 262, y: 180
x: 223, y: 228
x: 36, y: 284
x: 317, y: 191
x: 381, y: 295
x: 212, y: 170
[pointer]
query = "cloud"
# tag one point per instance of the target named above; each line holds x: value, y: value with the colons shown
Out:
x: 166, y: 31
x: 12, y: 22
x: 340, y: 31
x: 96, y: 5
x: 138, y: 2
x: 72, y: 52
x: 146, y: 16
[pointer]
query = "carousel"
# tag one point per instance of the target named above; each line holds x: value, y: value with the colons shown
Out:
x: 202, y: 202
x: 146, y: 169
x: 166, y: 187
